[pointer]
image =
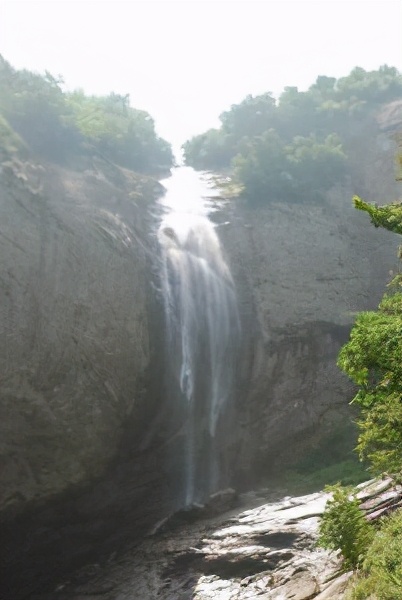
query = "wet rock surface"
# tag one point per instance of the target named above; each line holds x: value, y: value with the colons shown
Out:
x: 267, y: 551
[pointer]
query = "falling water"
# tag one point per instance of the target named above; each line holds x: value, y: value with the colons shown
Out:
x: 202, y: 327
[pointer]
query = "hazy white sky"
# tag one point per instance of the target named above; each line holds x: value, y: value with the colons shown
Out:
x: 185, y: 61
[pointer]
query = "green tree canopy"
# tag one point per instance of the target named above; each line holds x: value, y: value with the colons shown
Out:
x: 300, y: 171
x: 388, y: 216
x: 58, y: 124
x: 306, y: 139
x: 253, y: 116
x: 373, y: 360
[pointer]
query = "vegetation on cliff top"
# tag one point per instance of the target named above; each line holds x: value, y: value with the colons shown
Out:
x: 298, y: 147
x: 59, y: 125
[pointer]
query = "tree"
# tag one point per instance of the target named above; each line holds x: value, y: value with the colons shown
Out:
x: 252, y: 117
x: 388, y: 216
x: 59, y: 125
x: 261, y: 168
x: 302, y: 171
x: 316, y: 165
x: 211, y: 150
x: 34, y: 106
x: 373, y: 360
x: 372, y: 87
x: 320, y: 135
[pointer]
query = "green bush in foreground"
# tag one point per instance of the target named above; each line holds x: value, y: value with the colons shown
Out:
x: 381, y: 574
x: 344, y: 527
x: 373, y: 359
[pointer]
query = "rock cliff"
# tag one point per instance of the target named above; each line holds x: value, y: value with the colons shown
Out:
x: 302, y: 272
x: 74, y: 315
x: 80, y: 335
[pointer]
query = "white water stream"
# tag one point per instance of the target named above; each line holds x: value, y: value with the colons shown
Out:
x: 202, y: 323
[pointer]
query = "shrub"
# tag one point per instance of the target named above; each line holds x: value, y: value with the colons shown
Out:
x: 381, y: 575
x: 373, y: 360
x: 344, y: 527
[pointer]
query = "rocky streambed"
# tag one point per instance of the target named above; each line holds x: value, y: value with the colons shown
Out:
x: 264, y: 548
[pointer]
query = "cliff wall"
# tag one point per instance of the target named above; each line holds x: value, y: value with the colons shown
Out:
x: 302, y: 272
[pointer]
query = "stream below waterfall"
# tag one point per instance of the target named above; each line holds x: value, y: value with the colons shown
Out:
x: 262, y: 550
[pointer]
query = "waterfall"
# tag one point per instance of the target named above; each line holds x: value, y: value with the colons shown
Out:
x: 203, y: 329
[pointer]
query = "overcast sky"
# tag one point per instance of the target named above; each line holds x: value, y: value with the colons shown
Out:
x: 187, y: 61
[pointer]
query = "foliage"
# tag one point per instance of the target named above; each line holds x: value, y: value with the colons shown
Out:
x: 332, y: 459
x: 124, y: 134
x: 346, y: 472
x: 297, y: 148
x: 252, y: 117
x: 299, y: 171
x: 59, y: 125
x: 388, y: 216
x: 262, y: 168
x: 344, y: 527
x: 211, y: 150
x: 373, y: 359
x: 373, y: 87
x: 381, y: 575
x: 35, y: 108
x: 315, y: 165
x: 11, y: 143
x: 380, y: 440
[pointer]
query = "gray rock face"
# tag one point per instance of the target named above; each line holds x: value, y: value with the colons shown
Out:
x: 74, y: 319
x: 81, y: 449
x: 302, y: 272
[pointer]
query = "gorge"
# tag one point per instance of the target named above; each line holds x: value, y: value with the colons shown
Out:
x: 185, y: 323
x: 278, y: 395
x: 169, y: 347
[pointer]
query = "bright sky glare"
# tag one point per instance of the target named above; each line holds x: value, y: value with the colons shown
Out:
x: 186, y: 61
